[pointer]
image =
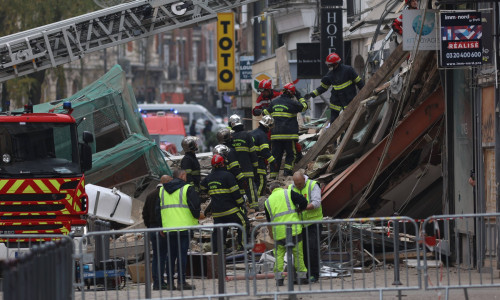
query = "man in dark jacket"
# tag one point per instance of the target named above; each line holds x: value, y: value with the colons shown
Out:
x: 263, y: 151
x: 343, y: 80
x: 190, y: 163
x: 180, y: 207
x: 285, y: 132
x: 152, y: 219
x: 245, y: 151
x: 227, y: 205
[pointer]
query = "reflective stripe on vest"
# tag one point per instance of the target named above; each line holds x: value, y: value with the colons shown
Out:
x: 226, y: 213
x: 288, y: 215
x: 342, y: 86
x: 176, y: 213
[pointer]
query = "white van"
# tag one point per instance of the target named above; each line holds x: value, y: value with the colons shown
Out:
x: 188, y: 112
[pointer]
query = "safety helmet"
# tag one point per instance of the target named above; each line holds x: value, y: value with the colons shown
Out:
x: 222, y: 150
x: 267, y: 121
x: 290, y: 88
x: 217, y: 161
x: 265, y: 85
x: 332, y: 58
x: 234, y: 121
x: 224, y: 135
x: 189, y: 144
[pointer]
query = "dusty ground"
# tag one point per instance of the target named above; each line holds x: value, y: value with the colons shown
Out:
x: 331, y: 288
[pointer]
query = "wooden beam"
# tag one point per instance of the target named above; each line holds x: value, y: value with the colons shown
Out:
x: 350, y: 131
x: 341, y: 191
x: 382, y: 74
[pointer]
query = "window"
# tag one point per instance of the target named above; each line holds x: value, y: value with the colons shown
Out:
x: 353, y: 10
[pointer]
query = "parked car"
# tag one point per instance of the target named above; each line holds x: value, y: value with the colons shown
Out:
x: 167, y: 130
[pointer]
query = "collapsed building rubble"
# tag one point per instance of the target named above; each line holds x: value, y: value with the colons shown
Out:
x: 387, y: 142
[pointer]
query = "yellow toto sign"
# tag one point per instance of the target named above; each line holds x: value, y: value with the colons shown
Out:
x: 225, y: 52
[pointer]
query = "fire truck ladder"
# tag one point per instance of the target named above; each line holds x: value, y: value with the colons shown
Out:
x: 65, y: 41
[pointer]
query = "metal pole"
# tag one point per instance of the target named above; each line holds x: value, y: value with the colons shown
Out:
x: 221, y: 262
x: 146, y: 268
x: 290, y: 265
x: 396, y: 253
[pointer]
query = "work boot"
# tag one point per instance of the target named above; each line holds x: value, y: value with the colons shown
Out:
x: 301, y: 281
x: 185, y: 287
x: 280, y: 282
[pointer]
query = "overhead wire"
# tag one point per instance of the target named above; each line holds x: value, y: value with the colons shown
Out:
x: 364, y: 196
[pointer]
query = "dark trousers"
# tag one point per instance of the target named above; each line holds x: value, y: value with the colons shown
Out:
x: 334, y: 114
x: 238, y: 218
x: 311, y: 238
x: 251, y: 192
x: 261, y: 182
x: 159, y: 245
x: 279, y: 147
x: 178, y: 246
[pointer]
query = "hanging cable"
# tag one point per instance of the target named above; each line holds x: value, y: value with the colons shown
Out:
x: 364, y: 196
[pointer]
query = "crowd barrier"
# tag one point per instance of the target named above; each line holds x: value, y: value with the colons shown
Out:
x: 37, y: 267
x: 463, y: 248
x: 376, y: 255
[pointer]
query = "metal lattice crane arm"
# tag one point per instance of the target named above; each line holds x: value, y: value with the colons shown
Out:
x: 65, y: 41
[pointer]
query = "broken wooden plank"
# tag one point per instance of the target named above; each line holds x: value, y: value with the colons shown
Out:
x: 350, y: 130
x: 341, y: 192
x: 382, y: 74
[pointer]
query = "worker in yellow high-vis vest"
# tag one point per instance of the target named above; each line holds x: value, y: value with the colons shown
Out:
x: 311, y: 233
x: 179, y: 207
x: 282, y: 206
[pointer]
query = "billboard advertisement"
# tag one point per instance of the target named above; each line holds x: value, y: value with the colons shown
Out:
x: 461, y: 39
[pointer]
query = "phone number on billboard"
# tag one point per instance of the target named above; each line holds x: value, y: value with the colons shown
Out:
x: 463, y: 54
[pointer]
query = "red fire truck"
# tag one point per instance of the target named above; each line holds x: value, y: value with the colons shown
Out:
x: 41, y: 172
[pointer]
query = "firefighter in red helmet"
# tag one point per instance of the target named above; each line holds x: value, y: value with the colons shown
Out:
x: 226, y: 205
x: 285, y: 132
x: 397, y: 24
x: 343, y: 80
x: 266, y: 95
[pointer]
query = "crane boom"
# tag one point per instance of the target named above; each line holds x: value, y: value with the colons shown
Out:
x: 68, y: 40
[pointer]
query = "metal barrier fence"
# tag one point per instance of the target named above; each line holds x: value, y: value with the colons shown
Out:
x: 123, y: 273
x: 462, y: 247
x: 37, y: 267
x: 354, y: 255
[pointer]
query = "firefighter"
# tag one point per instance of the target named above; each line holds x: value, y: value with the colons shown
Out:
x: 285, y: 132
x: 283, y: 206
x: 397, y: 24
x: 266, y: 95
x: 342, y: 79
x: 232, y: 164
x: 189, y: 162
x: 179, y: 207
x: 227, y: 205
x: 245, y: 150
x: 263, y: 151
x: 311, y: 233
x: 224, y: 138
